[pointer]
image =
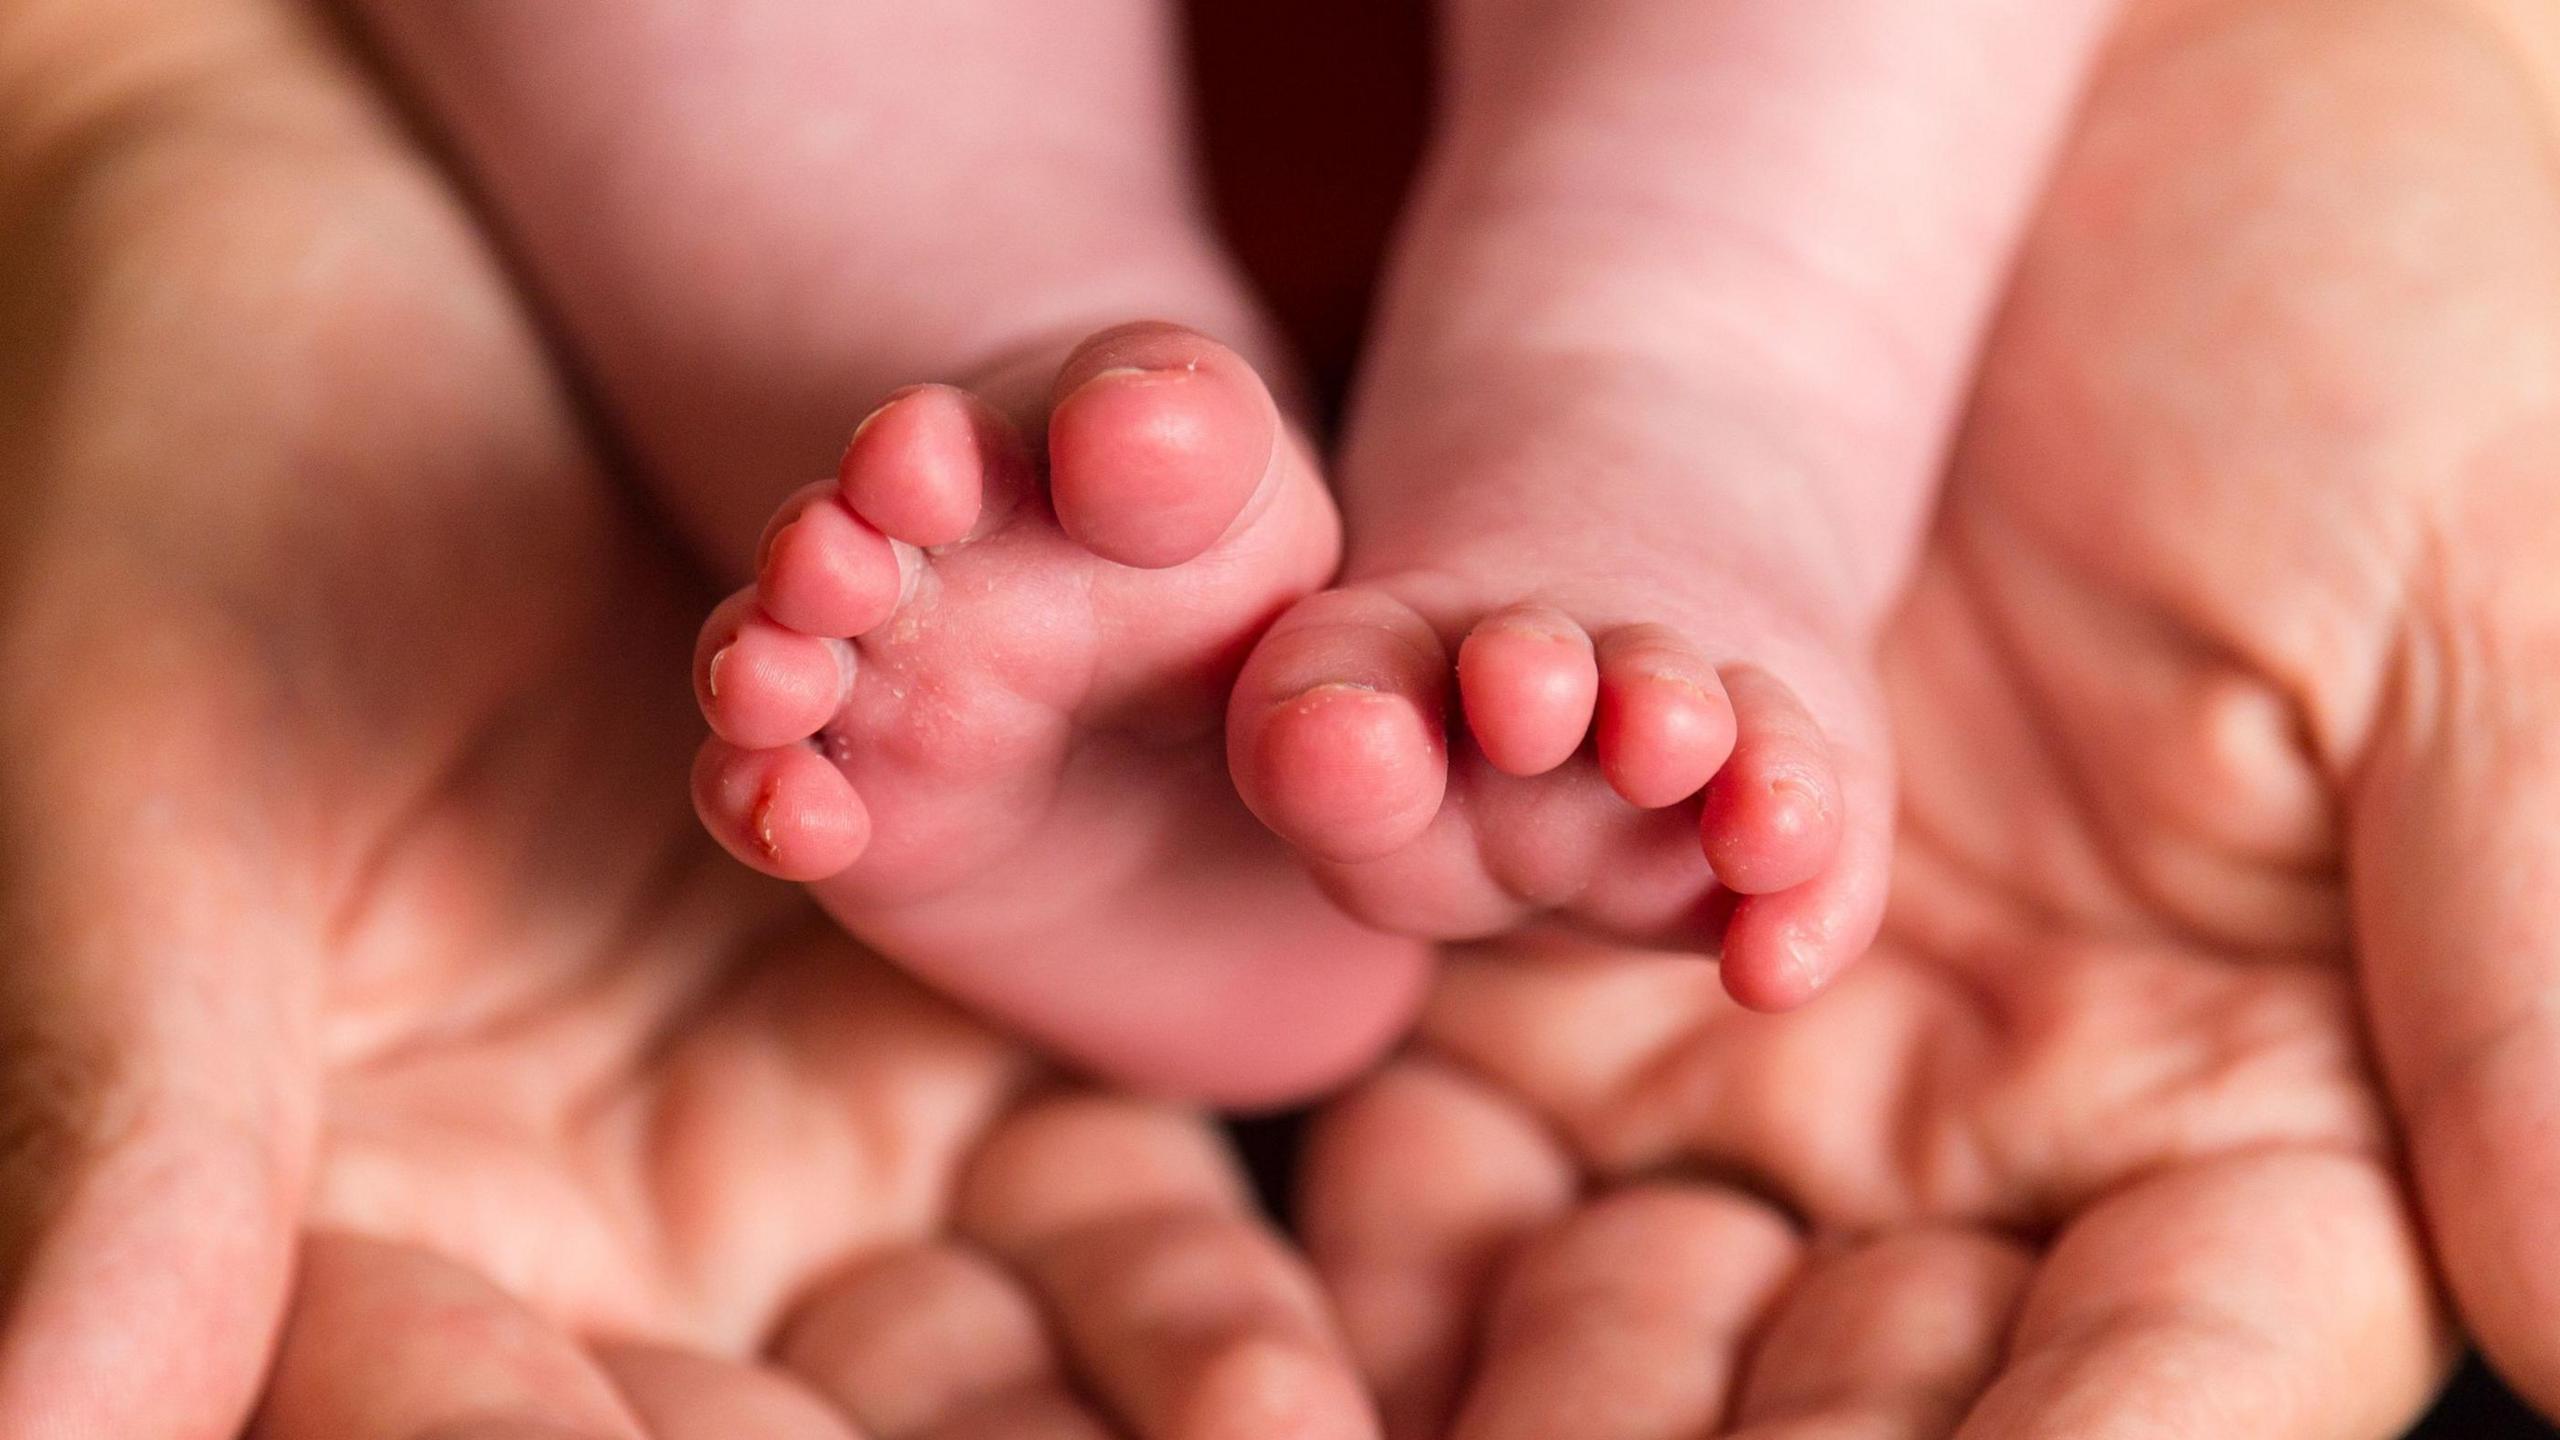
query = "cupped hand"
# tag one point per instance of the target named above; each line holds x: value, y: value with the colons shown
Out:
x: 2227, y: 698
x: 376, y: 1020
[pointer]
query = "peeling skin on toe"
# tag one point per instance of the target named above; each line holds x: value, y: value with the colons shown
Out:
x: 760, y: 824
x: 717, y: 657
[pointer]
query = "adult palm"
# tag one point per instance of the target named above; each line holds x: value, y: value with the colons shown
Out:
x: 2227, y: 700
x: 374, y: 1011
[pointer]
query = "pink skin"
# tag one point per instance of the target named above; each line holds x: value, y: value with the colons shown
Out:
x: 973, y: 692
x: 1647, y: 431
x: 1007, y: 727
x: 973, y: 701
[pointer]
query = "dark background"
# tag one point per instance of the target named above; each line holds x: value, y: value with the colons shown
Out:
x: 1313, y: 114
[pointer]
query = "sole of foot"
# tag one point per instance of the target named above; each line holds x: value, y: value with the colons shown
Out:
x: 973, y: 699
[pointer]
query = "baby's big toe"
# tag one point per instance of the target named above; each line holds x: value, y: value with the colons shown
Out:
x: 1335, y: 733
x: 1158, y: 439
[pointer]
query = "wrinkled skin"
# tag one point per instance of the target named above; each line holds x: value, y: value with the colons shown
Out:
x: 2226, y: 699
x: 376, y: 1007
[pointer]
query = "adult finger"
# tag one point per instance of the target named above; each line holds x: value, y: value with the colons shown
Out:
x: 2263, y: 1296
x: 1884, y: 1339
x: 1182, y: 1310
x: 388, y: 1342
x: 1416, y: 1190
x: 938, y: 1340
x: 1629, y: 1319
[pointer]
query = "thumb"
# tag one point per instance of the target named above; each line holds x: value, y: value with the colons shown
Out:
x: 2454, y: 861
x: 155, y: 1115
x: 155, y: 1099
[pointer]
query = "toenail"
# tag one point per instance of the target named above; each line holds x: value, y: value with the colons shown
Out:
x: 1331, y: 687
x: 1681, y: 682
x: 856, y: 437
x: 718, y: 657
x: 866, y: 421
x: 1137, y: 372
x: 774, y: 545
x: 1533, y: 629
x: 848, y: 663
x: 910, y: 563
x: 884, y: 407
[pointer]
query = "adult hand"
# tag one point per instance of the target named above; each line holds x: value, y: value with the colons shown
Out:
x: 2227, y: 700
x: 357, y: 927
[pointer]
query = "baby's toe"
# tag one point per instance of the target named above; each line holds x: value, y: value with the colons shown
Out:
x: 824, y: 570
x: 1772, y: 814
x: 1335, y: 735
x: 786, y: 811
x: 1158, y: 439
x: 1528, y: 680
x: 919, y: 467
x: 762, y: 684
x: 1784, y: 947
x: 1665, y: 725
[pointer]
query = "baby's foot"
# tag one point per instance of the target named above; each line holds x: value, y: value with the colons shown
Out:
x: 1649, y: 424
x: 1655, y: 747
x: 974, y: 698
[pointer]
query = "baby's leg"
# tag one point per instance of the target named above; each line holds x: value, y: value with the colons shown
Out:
x: 756, y: 219
x: 974, y: 693
x: 1664, y: 369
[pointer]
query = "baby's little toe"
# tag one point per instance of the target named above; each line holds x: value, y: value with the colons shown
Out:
x: 786, y: 811
x: 1772, y: 814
